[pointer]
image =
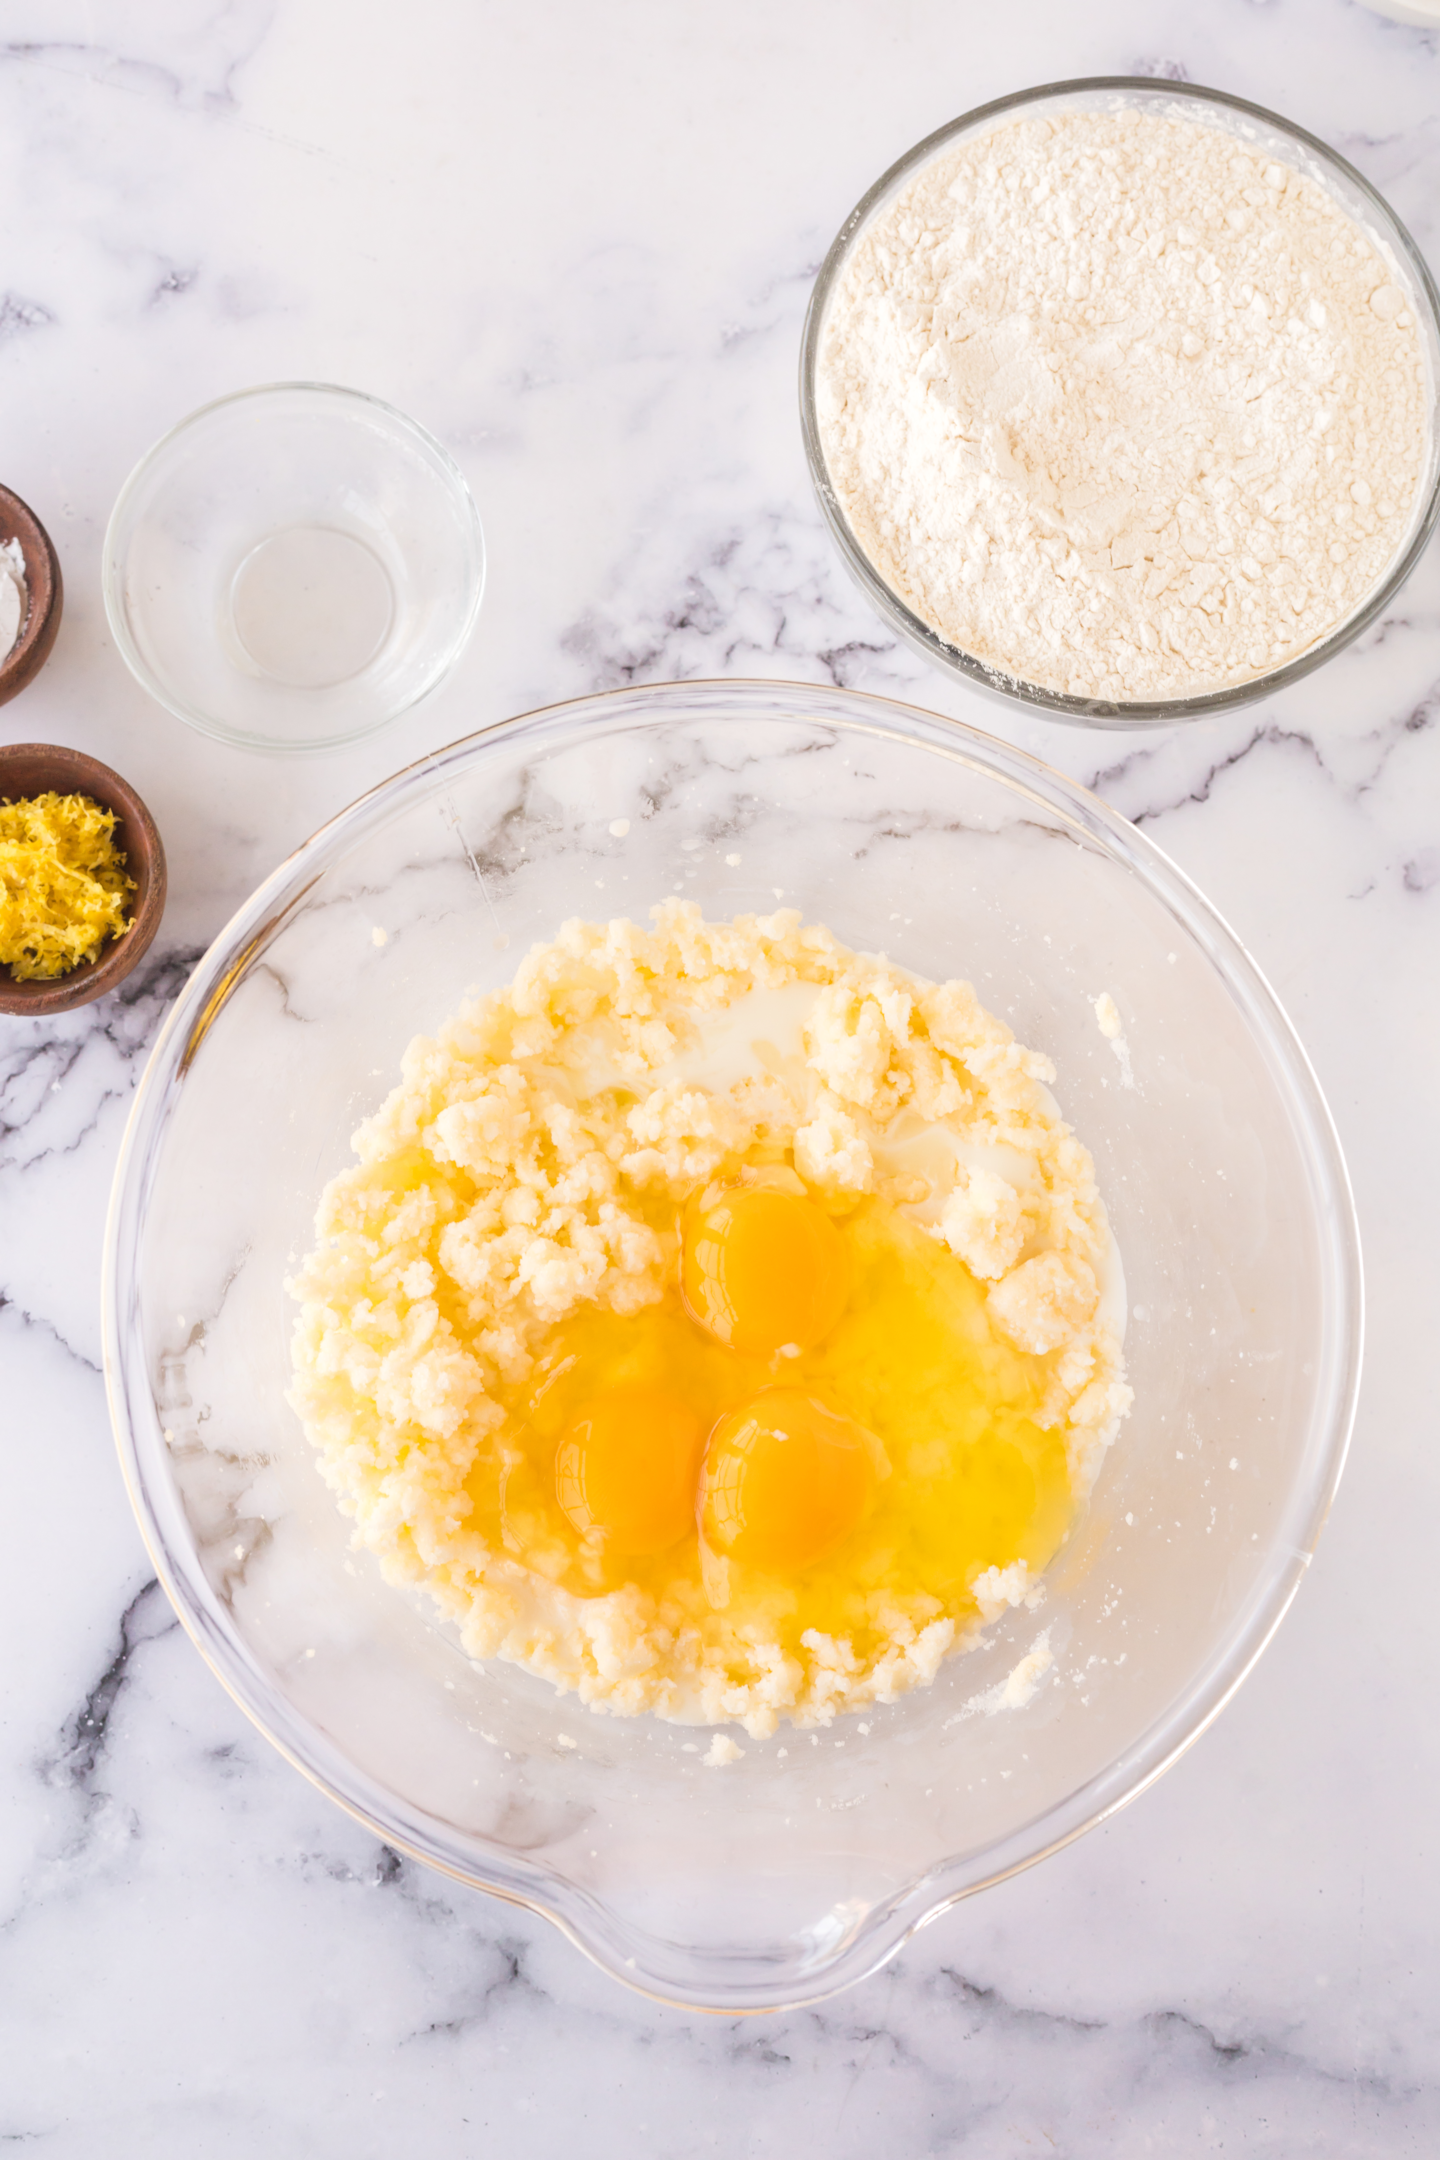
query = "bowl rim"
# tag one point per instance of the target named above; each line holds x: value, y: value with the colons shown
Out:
x: 952, y: 659
x: 46, y: 596
x: 112, y: 562
x: 666, y: 1972
x: 77, y: 772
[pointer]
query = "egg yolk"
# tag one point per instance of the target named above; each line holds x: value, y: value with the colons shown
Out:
x: 626, y: 1469
x: 763, y: 1270
x: 602, y: 1472
x: 785, y: 1480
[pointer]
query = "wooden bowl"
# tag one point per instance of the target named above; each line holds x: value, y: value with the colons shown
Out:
x: 28, y: 769
x: 46, y: 593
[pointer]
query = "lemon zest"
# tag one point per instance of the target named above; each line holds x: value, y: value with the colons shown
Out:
x: 63, y: 887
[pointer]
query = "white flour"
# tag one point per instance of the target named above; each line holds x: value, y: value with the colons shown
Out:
x: 13, y: 596
x: 1120, y: 407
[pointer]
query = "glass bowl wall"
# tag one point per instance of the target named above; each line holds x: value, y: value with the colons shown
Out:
x: 800, y: 1867
x: 1257, y: 129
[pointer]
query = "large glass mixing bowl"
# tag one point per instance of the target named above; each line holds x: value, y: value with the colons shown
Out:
x: 801, y: 1866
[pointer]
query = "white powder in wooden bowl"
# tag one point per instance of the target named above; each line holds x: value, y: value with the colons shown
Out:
x: 1122, y: 407
x: 14, y: 599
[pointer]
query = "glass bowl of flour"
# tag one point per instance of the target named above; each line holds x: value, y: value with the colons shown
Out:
x: 1120, y: 399
x: 700, y: 1863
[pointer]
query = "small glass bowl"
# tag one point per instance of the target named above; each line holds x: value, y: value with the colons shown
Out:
x: 800, y: 1866
x: 1254, y: 126
x: 293, y: 567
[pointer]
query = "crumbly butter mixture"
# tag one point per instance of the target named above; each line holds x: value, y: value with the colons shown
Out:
x: 513, y: 1183
x: 1122, y: 405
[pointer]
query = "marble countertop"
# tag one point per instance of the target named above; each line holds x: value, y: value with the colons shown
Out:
x: 577, y: 244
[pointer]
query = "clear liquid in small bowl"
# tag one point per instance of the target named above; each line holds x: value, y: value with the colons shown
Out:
x: 312, y: 606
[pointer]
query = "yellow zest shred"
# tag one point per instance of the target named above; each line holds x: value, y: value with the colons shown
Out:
x: 63, y: 886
